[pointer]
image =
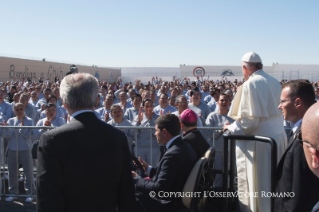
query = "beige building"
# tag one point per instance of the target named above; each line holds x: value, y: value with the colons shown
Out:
x: 22, y: 68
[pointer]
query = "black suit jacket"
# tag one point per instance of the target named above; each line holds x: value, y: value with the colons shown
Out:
x: 197, y: 141
x: 84, y: 166
x: 170, y: 175
x: 294, y: 175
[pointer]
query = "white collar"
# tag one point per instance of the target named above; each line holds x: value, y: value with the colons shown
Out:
x: 294, y: 128
x: 79, y: 112
x: 255, y: 73
x: 171, y: 141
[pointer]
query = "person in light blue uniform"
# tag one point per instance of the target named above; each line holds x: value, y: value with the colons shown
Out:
x: 43, y: 101
x: 146, y: 119
x: 52, y: 99
x: 51, y: 120
x: 218, y: 119
x: 19, y: 148
x: 6, y: 111
x: 132, y: 112
x: 118, y: 120
x: 29, y: 110
x: 164, y: 107
x: 1, y: 123
x: 198, y: 107
x: 104, y: 112
x: 123, y: 101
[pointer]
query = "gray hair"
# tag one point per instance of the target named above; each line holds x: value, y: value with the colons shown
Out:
x: 250, y: 65
x: 79, y: 91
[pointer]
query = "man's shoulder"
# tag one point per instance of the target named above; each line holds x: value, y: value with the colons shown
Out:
x: 180, y: 146
x: 100, y: 109
x: 171, y: 108
x: 85, y: 121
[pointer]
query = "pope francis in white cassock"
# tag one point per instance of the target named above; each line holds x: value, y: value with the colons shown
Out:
x: 255, y: 109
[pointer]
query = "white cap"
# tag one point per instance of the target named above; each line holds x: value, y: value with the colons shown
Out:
x: 251, y: 57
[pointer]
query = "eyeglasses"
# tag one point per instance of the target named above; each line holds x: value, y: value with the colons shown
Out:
x: 19, y: 109
x: 283, y: 101
x: 307, y: 143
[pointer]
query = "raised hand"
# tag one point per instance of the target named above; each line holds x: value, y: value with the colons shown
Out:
x: 47, y: 123
x: 4, y: 123
x: 22, y: 122
x: 140, y: 115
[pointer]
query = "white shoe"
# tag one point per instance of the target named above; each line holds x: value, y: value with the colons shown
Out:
x: 29, y: 199
x: 10, y: 199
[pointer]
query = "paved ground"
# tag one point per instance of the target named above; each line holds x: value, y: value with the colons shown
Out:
x: 18, y: 205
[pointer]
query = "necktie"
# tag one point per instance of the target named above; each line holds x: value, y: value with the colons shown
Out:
x: 290, y: 136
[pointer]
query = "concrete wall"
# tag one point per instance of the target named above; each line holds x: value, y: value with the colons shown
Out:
x: 22, y: 68
x: 290, y: 72
x: 145, y: 74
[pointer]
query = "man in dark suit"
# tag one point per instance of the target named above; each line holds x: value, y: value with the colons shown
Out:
x: 191, y: 134
x: 172, y: 171
x: 85, y: 164
x: 293, y: 173
x: 310, y: 141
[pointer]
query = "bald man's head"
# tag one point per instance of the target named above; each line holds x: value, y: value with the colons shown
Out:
x: 310, y: 133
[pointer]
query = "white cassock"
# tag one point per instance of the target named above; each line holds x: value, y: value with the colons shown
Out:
x: 255, y: 109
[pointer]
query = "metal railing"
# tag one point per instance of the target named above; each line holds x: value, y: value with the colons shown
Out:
x: 227, y: 149
x: 3, y: 151
x: 232, y: 139
x: 3, y: 160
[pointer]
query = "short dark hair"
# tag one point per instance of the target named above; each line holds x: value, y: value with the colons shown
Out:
x: 147, y: 100
x: 223, y: 94
x: 51, y: 97
x: 164, y: 94
x: 136, y: 95
x: 170, y: 122
x: 49, y: 105
x: 104, y: 86
x: 193, y: 91
x: 47, y: 89
x: 213, y: 91
x: 302, y: 89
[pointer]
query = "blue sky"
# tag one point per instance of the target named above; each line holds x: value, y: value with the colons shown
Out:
x: 161, y: 33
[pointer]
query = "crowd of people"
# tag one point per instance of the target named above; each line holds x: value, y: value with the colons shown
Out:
x: 255, y: 105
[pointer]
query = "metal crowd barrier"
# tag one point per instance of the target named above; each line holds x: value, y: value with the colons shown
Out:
x: 3, y: 159
x: 232, y: 138
x: 227, y: 157
x: 3, y: 168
